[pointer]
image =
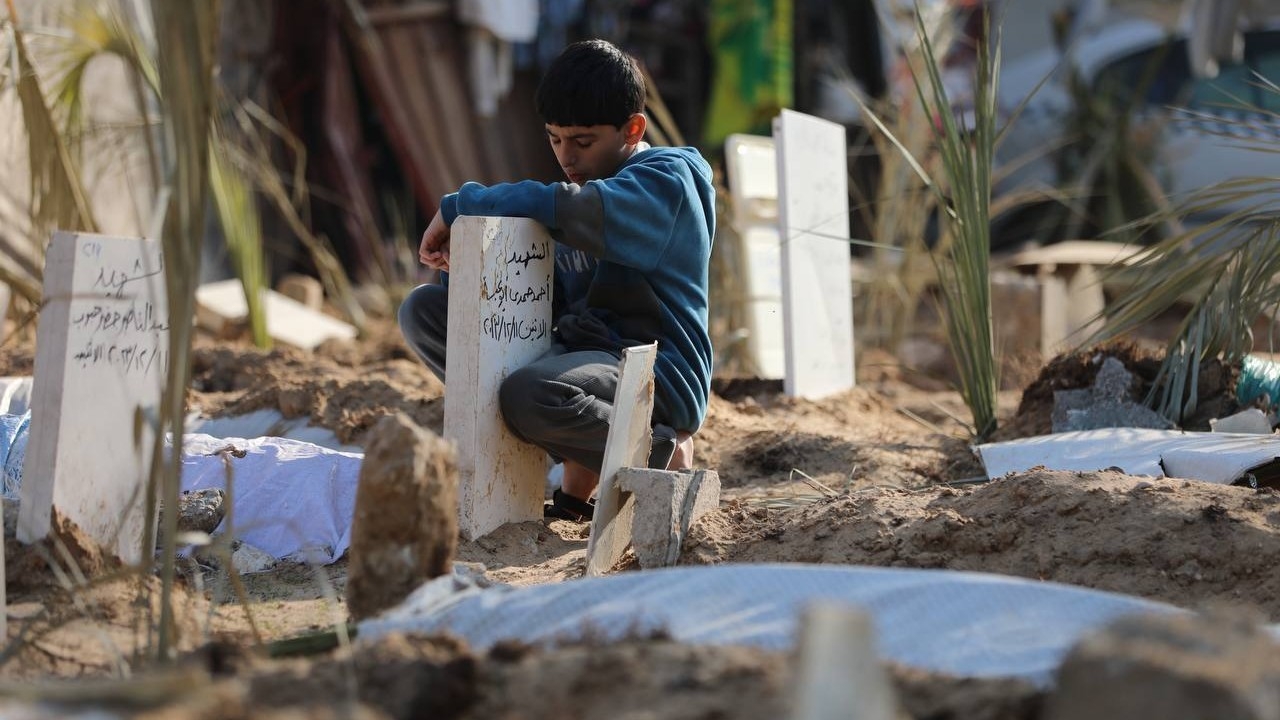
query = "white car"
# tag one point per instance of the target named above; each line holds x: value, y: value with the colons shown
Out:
x: 1177, y: 118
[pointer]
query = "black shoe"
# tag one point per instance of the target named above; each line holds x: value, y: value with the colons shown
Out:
x: 567, y: 507
x: 662, y: 447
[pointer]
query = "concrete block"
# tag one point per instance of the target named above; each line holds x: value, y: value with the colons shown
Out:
x: 1173, y: 667
x: 499, y: 320
x: 102, y: 355
x: 222, y: 304
x: 667, y: 503
x: 1071, y: 299
x: 628, y: 445
x: 302, y: 289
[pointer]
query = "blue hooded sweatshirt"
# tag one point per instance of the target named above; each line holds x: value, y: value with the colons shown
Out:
x: 649, y: 226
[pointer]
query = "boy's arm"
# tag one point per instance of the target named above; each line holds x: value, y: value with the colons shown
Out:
x: 627, y: 219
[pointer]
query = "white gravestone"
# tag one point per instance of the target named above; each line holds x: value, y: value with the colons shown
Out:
x: 499, y: 320
x: 102, y: 354
x: 817, y: 288
x: 751, y: 169
x: 627, y: 445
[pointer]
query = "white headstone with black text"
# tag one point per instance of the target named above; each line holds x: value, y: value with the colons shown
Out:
x: 102, y: 354
x: 817, y: 287
x: 500, y: 285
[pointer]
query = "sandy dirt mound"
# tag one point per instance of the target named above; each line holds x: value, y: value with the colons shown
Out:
x: 441, y: 678
x: 851, y: 479
x: 1182, y: 542
x: 75, y: 610
x: 348, y: 399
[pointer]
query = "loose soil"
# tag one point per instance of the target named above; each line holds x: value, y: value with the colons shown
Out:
x: 881, y: 475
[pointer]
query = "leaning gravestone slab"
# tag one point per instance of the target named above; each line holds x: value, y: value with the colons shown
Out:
x: 817, y: 288
x: 102, y: 354
x: 499, y: 320
x: 627, y: 445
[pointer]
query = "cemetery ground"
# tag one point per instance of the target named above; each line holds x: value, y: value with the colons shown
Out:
x: 882, y: 475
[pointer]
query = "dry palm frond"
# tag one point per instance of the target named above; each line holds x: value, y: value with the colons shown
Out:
x: 964, y: 275
x: 101, y: 30
x: 58, y: 197
x: 96, y: 31
x: 186, y: 37
x: 1226, y: 268
x: 254, y: 160
x: 965, y: 156
x: 898, y: 215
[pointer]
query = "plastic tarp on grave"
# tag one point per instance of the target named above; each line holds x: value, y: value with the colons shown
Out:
x: 1209, y: 457
x: 966, y: 624
x: 291, y: 499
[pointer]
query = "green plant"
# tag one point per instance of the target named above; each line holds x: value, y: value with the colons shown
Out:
x: 961, y: 257
x: 1225, y: 270
x: 964, y: 272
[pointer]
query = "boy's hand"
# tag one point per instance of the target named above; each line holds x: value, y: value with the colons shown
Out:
x: 434, y: 250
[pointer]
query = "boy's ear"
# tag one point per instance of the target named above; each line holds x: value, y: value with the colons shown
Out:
x: 633, y: 129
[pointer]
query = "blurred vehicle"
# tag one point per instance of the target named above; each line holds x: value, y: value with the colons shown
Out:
x: 1192, y: 131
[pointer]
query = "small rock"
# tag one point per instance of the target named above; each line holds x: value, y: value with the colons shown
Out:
x: 302, y: 288
x: 201, y: 510
x: 248, y: 559
x: 1109, y: 403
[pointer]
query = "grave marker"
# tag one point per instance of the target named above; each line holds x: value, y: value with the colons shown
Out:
x: 499, y: 320
x: 102, y: 354
x: 751, y: 169
x: 840, y: 676
x: 627, y: 445
x: 817, y: 288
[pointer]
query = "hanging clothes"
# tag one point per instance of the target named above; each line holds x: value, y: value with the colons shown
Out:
x: 493, y: 27
x: 752, y: 81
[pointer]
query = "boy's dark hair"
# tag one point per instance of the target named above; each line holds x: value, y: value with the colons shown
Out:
x: 591, y: 83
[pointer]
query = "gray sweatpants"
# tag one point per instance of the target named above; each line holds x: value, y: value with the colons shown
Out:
x: 560, y: 402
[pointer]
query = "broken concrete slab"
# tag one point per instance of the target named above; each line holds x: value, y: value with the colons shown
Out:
x: 222, y: 304
x: 667, y: 503
x: 627, y: 445
x: 405, y: 529
x: 1108, y: 404
x: 1173, y: 667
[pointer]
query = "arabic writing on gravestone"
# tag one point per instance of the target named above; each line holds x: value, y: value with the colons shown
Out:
x: 513, y: 287
x: 115, y: 322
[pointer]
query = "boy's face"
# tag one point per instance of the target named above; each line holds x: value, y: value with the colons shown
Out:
x: 593, y: 152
